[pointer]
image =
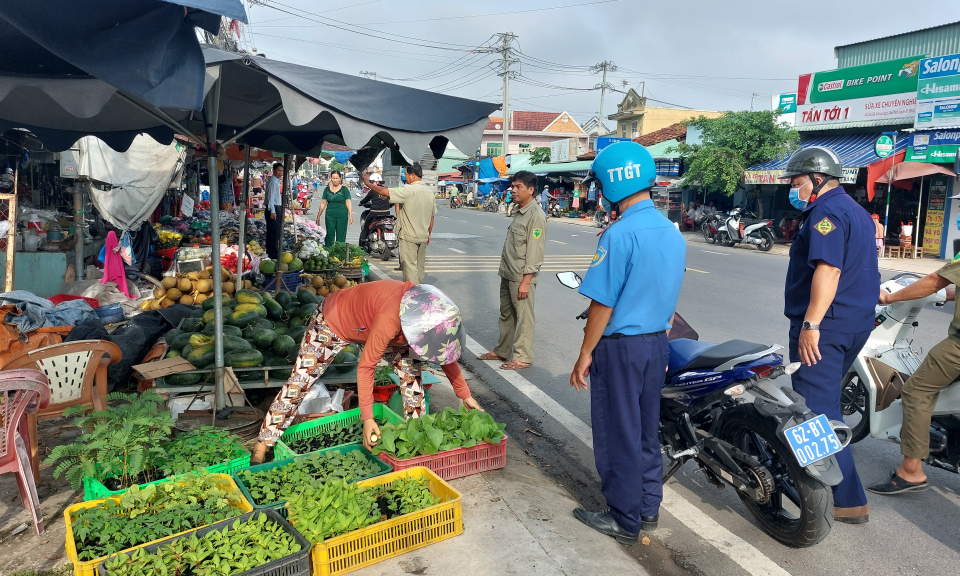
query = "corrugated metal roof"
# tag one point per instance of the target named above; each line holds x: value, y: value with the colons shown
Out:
x: 854, y: 150
x: 905, y: 122
x: 935, y: 41
x: 659, y: 151
x: 579, y: 168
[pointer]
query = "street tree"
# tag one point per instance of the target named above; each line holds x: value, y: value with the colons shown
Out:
x: 336, y: 166
x: 540, y: 155
x: 731, y: 144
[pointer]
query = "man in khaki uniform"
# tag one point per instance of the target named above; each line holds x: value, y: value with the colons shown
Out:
x: 519, y: 267
x: 415, y: 220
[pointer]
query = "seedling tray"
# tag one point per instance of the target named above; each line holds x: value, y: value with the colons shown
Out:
x: 89, y: 567
x: 456, y: 463
x: 93, y: 489
x: 296, y: 564
x: 383, y: 540
x: 315, y: 427
x: 280, y: 506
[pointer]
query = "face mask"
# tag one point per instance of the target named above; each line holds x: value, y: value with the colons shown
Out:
x: 795, y: 199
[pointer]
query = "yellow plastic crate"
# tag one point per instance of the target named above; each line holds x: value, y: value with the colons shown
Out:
x: 89, y: 567
x: 393, y: 537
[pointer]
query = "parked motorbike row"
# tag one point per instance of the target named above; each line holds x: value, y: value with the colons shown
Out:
x: 739, y: 226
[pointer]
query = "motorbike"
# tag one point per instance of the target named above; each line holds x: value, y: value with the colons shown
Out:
x: 742, y: 227
x: 710, y: 226
x: 720, y: 408
x: 380, y: 236
x: 870, y: 393
x: 600, y: 218
x: 554, y: 209
x: 455, y: 202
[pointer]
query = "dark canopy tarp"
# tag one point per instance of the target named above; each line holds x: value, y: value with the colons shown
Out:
x: 147, y: 48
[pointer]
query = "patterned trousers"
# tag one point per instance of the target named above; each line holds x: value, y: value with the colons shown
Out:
x: 319, y: 347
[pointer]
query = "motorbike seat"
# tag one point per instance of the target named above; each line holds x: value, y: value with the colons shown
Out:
x: 688, y: 354
x: 751, y: 222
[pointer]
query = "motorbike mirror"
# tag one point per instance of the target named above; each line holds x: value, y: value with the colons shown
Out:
x: 791, y: 368
x: 569, y: 279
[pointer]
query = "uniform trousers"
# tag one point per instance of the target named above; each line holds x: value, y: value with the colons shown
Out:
x: 626, y: 377
x: 336, y: 228
x: 517, y: 322
x: 820, y: 386
x: 413, y: 257
x: 273, y: 234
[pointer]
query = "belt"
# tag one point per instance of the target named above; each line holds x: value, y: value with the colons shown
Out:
x: 618, y: 335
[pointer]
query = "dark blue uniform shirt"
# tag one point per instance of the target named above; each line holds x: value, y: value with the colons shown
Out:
x: 841, y: 233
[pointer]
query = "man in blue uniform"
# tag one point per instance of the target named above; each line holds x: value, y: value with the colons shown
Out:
x: 831, y: 289
x: 633, y: 284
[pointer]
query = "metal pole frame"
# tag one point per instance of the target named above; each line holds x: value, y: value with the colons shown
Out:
x: 241, y: 240
x: 916, y: 225
x: 893, y: 162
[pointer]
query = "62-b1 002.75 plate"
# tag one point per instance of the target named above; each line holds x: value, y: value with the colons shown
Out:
x: 813, y: 440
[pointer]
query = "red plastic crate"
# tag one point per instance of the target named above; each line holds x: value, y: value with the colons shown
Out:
x: 58, y: 299
x: 456, y: 463
x: 167, y: 256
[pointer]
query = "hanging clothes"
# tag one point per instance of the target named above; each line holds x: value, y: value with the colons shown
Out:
x: 113, y: 264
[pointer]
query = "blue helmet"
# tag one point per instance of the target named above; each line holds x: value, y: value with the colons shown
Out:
x: 622, y: 169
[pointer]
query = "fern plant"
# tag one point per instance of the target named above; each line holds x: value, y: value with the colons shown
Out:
x: 121, y: 442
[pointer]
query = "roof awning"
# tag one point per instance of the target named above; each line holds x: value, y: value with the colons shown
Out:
x: 579, y: 168
x: 659, y: 151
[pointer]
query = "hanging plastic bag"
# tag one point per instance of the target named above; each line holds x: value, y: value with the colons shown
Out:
x: 126, y: 249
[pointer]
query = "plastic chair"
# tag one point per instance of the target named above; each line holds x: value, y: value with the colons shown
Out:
x: 77, y: 375
x: 21, y: 391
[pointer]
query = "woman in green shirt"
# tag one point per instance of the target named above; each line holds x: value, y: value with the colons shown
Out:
x: 336, y: 202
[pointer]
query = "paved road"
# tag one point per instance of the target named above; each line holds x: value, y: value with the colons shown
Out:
x: 727, y: 293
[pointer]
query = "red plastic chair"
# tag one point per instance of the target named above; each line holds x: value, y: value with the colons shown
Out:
x: 21, y: 392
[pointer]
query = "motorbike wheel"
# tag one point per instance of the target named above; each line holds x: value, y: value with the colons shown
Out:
x: 705, y: 228
x: 853, y: 405
x: 799, y: 513
x: 723, y: 239
x: 767, y: 241
x: 385, y: 255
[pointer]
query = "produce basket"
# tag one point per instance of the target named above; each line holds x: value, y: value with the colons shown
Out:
x: 61, y: 298
x: 315, y: 427
x: 280, y: 505
x: 342, y: 554
x: 89, y: 567
x: 384, y: 392
x: 289, y: 281
x: 351, y: 272
x: 93, y: 489
x: 456, y: 463
x: 296, y: 564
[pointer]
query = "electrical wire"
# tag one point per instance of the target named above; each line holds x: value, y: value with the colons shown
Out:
x: 394, y: 53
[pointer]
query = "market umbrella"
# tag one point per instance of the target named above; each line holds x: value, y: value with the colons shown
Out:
x: 903, y: 176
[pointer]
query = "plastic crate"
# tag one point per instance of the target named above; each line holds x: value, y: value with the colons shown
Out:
x: 289, y: 281
x: 89, y: 567
x: 296, y: 564
x: 360, y: 548
x: 456, y: 463
x: 58, y: 299
x: 396, y: 402
x: 384, y: 392
x: 280, y: 505
x: 315, y: 427
x: 93, y: 489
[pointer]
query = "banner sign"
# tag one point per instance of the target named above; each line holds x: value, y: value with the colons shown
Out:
x: 883, y: 147
x: 936, y: 205
x: 938, y: 93
x: 934, y: 146
x: 760, y: 177
x: 604, y: 141
x: 787, y: 103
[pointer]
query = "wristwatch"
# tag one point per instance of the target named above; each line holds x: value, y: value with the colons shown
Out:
x: 809, y: 326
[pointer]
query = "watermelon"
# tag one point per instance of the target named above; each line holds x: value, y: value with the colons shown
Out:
x: 202, y: 357
x: 171, y: 335
x: 264, y: 324
x: 281, y: 374
x: 284, y: 346
x: 250, y: 375
x: 235, y: 343
x: 264, y: 338
x: 211, y: 329
x: 181, y: 379
x: 353, y: 349
x: 186, y: 350
x: 243, y: 358
x: 243, y: 319
x: 197, y: 312
x: 209, y: 302
x: 305, y: 296
x: 248, y: 297
x: 344, y: 358
x: 173, y: 354
x: 197, y: 339
x: 180, y: 341
x: 208, y: 316
x: 258, y: 308
x: 281, y: 329
x: 192, y: 324
x: 297, y: 334
x: 307, y: 310
x: 283, y: 299
x: 274, y: 309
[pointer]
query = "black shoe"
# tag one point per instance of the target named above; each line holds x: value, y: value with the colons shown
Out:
x: 649, y: 523
x: 398, y: 269
x: 897, y: 485
x: 604, y: 523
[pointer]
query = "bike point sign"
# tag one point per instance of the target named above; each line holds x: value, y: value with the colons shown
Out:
x: 880, y: 91
x: 938, y: 93
x: 884, y: 146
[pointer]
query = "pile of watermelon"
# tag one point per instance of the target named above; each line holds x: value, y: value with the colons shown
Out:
x: 258, y: 330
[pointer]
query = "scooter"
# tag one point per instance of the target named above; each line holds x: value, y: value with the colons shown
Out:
x: 720, y: 408
x: 710, y: 227
x: 455, y: 202
x: 491, y: 204
x: 740, y: 228
x: 554, y: 209
x: 380, y: 236
x: 870, y: 396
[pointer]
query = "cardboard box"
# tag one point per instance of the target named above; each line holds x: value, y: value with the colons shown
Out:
x: 152, y: 370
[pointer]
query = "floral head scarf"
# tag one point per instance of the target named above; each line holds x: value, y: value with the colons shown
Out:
x: 432, y: 324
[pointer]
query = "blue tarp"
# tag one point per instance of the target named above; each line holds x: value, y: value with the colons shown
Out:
x: 854, y: 150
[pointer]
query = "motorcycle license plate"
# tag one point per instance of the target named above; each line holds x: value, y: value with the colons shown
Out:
x: 813, y: 440
x: 389, y: 235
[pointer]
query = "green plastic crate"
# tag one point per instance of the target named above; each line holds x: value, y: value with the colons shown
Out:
x: 93, y: 489
x: 314, y: 427
x: 396, y: 402
x: 281, y: 505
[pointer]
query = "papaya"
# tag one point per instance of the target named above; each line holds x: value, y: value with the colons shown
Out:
x: 305, y: 296
x: 202, y: 356
x: 181, y: 379
x: 257, y: 308
x: 243, y: 358
x: 274, y: 309
x: 283, y: 299
x: 248, y: 297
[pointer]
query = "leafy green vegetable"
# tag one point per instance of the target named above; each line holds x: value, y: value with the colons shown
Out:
x: 382, y: 376
x: 237, y: 548
x: 306, y: 472
x: 336, y: 436
x: 200, y: 448
x: 430, y: 434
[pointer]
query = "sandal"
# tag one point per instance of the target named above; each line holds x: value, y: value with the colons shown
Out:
x: 492, y: 356
x: 515, y: 365
x: 897, y: 485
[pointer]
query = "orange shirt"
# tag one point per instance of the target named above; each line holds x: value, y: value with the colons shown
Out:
x: 369, y: 314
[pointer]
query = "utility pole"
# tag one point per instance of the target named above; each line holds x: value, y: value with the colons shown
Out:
x: 754, y: 95
x: 504, y: 49
x: 604, y: 67
x: 370, y: 75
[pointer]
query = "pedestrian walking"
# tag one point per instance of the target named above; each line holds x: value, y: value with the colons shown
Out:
x: 272, y: 204
x: 335, y: 201
x: 226, y: 190
x: 545, y: 199
x: 508, y: 196
x: 419, y: 205
x: 520, y: 264
x: 633, y: 284
x: 830, y: 297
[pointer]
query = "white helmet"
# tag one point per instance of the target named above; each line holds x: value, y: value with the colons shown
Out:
x: 375, y: 177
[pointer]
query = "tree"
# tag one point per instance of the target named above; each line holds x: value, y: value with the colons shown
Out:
x: 540, y: 155
x: 336, y: 166
x: 731, y: 144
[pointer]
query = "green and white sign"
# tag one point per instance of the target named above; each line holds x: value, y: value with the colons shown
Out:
x: 884, y: 146
x: 787, y: 103
x: 938, y: 93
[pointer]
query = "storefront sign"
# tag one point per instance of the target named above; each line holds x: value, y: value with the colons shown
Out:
x: 849, y: 175
x: 604, y: 141
x: 565, y: 150
x: 883, y: 146
x: 757, y: 177
x: 938, y: 93
x: 787, y: 103
x: 186, y: 205
x: 934, y: 146
x: 936, y: 205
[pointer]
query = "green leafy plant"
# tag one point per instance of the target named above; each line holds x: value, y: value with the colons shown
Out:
x: 200, y: 448
x: 540, y: 155
x: 405, y: 496
x: 336, y: 436
x: 430, y: 434
x: 236, y: 548
x: 382, y: 376
x: 306, y: 472
x: 154, y: 512
x: 121, y: 441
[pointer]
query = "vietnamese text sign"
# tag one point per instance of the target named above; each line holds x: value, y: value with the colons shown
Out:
x: 938, y: 93
x: 787, y: 103
x: 873, y: 108
x: 880, y: 79
x: 936, y: 204
x: 565, y: 150
x: 883, y: 147
x: 764, y: 177
x: 934, y: 146
x: 186, y: 205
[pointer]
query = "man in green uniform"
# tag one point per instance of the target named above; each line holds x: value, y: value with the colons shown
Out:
x: 519, y: 267
x: 419, y: 205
